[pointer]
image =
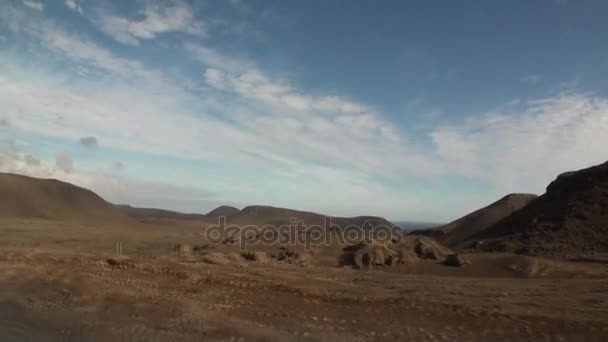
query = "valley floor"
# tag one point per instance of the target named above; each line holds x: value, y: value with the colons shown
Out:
x: 76, y: 297
x: 49, y: 294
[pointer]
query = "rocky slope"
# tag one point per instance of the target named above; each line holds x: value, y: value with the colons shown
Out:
x: 455, y: 232
x: 571, y: 218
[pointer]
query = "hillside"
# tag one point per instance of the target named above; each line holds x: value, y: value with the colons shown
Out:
x: 459, y: 230
x: 570, y: 218
x: 225, y: 211
x: 26, y: 197
x: 151, y: 214
x: 267, y: 215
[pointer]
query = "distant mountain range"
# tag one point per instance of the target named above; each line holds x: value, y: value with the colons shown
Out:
x: 27, y: 197
x: 570, y: 218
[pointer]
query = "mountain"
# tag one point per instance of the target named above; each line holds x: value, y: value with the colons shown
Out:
x: 160, y: 215
x: 151, y: 214
x: 267, y: 215
x: 570, y: 218
x: 27, y: 197
x: 459, y: 230
x: 410, y: 226
x: 225, y: 211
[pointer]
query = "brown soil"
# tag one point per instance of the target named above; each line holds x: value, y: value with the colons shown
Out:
x: 62, y: 281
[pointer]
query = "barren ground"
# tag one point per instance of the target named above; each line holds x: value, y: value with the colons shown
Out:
x: 56, y: 284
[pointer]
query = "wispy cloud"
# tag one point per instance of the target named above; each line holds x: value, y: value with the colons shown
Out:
x: 213, y: 59
x: 524, y: 150
x: 157, y: 19
x: 74, y: 6
x: 34, y: 4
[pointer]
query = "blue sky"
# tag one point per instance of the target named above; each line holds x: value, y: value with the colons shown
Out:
x: 419, y: 110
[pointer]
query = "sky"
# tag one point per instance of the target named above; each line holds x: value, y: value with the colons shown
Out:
x: 411, y: 110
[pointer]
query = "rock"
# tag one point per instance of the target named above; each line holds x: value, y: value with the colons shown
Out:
x: 409, y: 249
x: 216, y: 258
x: 455, y: 260
x: 291, y: 256
x: 513, y: 268
x: 367, y: 256
x: 423, y: 248
x: 260, y: 257
x: 184, y: 250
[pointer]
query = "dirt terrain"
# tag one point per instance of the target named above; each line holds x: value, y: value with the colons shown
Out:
x: 61, y: 281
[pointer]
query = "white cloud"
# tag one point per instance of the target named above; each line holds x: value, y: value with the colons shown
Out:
x: 243, y: 77
x: 157, y: 19
x: 74, y: 6
x: 346, y: 117
x: 64, y: 162
x: 524, y: 151
x: 80, y: 49
x: 214, y: 60
x: 34, y: 4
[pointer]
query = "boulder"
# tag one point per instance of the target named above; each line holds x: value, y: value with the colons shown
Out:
x: 291, y: 256
x: 184, y: 250
x: 455, y: 260
x: 256, y: 256
x: 409, y: 249
x: 422, y: 247
x: 364, y: 256
x: 216, y: 258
